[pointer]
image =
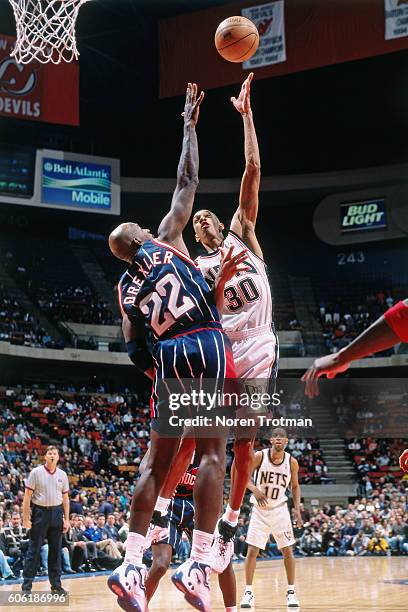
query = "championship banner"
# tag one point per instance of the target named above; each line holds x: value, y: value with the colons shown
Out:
x: 270, y: 21
x: 38, y: 92
x: 396, y: 19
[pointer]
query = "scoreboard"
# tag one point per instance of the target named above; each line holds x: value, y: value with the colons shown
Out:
x: 17, y: 165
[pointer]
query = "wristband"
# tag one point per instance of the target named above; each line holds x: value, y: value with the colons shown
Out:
x: 139, y: 355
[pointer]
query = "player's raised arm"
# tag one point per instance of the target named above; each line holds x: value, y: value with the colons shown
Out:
x: 244, y: 220
x: 175, y: 221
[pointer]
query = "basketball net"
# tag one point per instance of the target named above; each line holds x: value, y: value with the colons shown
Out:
x: 46, y: 30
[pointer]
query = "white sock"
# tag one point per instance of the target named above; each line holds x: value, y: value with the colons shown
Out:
x: 291, y: 587
x: 134, y: 548
x: 201, y: 546
x: 231, y: 609
x: 248, y: 587
x: 231, y: 516
x: 162, y: 505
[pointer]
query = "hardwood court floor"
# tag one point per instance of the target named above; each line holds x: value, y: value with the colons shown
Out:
x: 329, y: 585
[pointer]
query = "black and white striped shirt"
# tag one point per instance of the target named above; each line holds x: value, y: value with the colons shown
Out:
x: 47, y: 487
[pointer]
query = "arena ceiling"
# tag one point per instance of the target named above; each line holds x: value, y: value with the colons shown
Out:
x: 346, y: 116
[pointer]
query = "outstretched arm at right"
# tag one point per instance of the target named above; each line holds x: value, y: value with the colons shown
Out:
x: 380, y: 336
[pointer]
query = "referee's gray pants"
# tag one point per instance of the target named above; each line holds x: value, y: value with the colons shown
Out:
x: 46, y: 522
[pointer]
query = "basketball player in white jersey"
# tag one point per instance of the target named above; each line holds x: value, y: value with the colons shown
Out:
x: 245, y: 308
x: 274, y: 471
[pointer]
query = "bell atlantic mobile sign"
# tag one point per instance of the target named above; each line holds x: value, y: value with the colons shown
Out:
x: 72, y: 181
x: 361, y: 216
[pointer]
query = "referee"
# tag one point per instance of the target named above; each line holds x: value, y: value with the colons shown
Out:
x: 47, y: 489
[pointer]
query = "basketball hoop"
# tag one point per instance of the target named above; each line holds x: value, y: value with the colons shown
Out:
x: 46, y: 30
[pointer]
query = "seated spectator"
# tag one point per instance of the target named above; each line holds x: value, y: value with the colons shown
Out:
x: 95, y: 534
x: 378, y: 545
x: 111, y: 531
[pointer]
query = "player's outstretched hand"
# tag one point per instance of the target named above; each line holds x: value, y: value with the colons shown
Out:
x: 192, y: 105
x: 329, y: 366
x: 403, y: 461
x: 243, y: 102
x: 229, y: 265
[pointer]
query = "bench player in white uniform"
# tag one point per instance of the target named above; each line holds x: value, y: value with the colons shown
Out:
x: 274, y: 471
x: 246, y: 310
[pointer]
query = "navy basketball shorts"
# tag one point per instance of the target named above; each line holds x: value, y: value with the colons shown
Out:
x: 181, y: 519
x: 196, y: 361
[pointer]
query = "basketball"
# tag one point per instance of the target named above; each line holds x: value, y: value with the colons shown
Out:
x: 237, y: 39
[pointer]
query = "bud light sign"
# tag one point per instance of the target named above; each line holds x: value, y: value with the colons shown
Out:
x: 77, y: 184
x: 367, y: 215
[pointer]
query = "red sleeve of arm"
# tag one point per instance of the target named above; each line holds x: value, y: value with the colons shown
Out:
x: 397, y: 319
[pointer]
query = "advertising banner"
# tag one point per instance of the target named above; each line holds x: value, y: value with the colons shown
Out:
x: 360, y: 216
x: 65, y: 181
x: 38, y: 92
x: 396, y: 19
x: 74, y: 182
x: 270, y: 21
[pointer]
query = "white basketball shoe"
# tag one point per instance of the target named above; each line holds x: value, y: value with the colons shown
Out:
x: 248, y: 600
x: 193, y: 579
x: 127, y: 582
x: 222, y: 548
x: 291, y: 600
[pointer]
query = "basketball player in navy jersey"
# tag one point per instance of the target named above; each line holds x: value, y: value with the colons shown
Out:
x: 179, y: 520
x: 164, y: 291
x: 274, y: 471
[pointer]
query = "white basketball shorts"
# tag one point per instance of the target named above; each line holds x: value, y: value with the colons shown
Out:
x: 275, y: 521
x: 256, y: 353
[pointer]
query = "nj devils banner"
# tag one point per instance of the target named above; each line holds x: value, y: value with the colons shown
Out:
x: 38, y: 92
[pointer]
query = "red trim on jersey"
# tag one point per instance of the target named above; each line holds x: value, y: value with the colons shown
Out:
x: 193, y: 331
x: 229, y: 363
x: 27, y: 487
x: 176, y: 250
x: 151, y: 401
x: 52, y: 473
x: 119, y: 290
x: 397, y: 319
x: 67, y: 491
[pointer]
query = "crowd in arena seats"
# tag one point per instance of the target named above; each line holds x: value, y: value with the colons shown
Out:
x: 367, y: 408
x: 342, y: 322
x: 18, y: 326
x: 375, y: 459
x: 101, y: 442
x: 75, y: 304
x: 372, y: 525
